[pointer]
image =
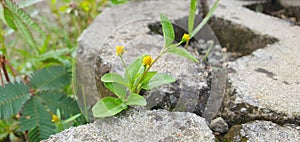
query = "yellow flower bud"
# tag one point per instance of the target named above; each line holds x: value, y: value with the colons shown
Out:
x: 147, y: 60
x: 185, y: 37
x: 54, y: 118
x: 119, y: 50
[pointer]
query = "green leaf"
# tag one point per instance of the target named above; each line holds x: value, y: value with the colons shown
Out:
x: 22, y: 21
x: 108, y: 106
x: 204, y: 21
x: 149, y: 76
x: 9, y: 19
x: 55, y: 100
x: 158, y: 80
x: 12, y: 98
x: 168, y: 30
x: 38, y: 134
x: 135, y: 69
x: 51, y: 78
x: 28, y: 36
x: 117, y: 89
x: 136, y: 99
x: 208, y: 52
x: 36, y: 119
x: 182, y: 52
x: 53, y: 54
x: 116, y: 2
x: 20, y: 14
x: 193, y: 7
x: 114, y: 77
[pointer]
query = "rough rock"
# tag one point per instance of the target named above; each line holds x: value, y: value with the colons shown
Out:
x: 263, y: 131
x: 93, y: 38
x: 219, y: 125
x: 140, y: 125
x: 265, y: 84
x: 290, y: 3
x: 138, y: 29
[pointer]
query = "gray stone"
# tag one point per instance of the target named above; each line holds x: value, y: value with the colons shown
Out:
x: 140, y: 125
x: 263, y: 131
x: 138, y: 29
x: 265, y: 84
x: 290, y: 3
x: 219, y: 125
x: 93, y: 39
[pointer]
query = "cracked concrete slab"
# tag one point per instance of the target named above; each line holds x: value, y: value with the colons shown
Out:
x: 269, y: 78
x: 263, y: 131
x: 140, y: 125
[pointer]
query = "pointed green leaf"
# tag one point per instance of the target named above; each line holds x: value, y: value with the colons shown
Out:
x: 18, y: 13
x: 204, y: 21
x: 51, y: 78
x: 182, y: 52
x: 108, y: 106
x: 168, y: 30
x: 9, y: 18
x: 193, y: 6
x: 135, y: 68
x: 117, y: 89
x: 149, y: 76
x: 158, y: 80
x: 114, y: 77
x: 136, y: 99
x: 12, y: 98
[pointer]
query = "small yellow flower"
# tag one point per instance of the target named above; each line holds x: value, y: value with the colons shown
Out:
x: 119, y: 50
x: 147, y: 61
x: 54, y: 118
x: 185, y: 37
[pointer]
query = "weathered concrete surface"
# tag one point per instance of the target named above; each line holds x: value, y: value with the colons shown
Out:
x: 137, y: 29
x: 140, y: 125
x: 265, y: 84
x: 263, y: 131
x: 289, y: 3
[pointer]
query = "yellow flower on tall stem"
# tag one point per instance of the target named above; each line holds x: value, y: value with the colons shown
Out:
x: 119, y: 50
x: 147, y: 60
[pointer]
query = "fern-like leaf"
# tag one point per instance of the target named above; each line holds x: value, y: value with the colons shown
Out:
x: 18, y: 19
x: 58, y: 100
x: 12, y: 97
x: 36, y: 119
x: 51, y: 78
x: 24, y: 16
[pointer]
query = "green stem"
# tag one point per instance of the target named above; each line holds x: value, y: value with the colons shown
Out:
x: 125, y: 67
x: 162, y: 51
x: 186, y: 44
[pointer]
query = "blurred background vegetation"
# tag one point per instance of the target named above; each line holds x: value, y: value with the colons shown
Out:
x: 38, y: 41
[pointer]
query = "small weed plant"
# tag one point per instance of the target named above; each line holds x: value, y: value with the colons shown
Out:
x: 138, y: 75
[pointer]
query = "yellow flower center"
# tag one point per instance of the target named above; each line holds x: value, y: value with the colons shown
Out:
x: 54, y: 118
x: 185, y: 37
x: 119, y: 50
x: 147, y: 60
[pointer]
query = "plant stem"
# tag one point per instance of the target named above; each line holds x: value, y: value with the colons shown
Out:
x: 186, y: 44
x: 4, y: 68
x: 162, y: 51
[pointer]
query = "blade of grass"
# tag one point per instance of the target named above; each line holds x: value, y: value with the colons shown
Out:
x: 192, y: 15
x: 204, y: 21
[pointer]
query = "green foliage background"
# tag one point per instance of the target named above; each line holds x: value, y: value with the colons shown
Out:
x: 41, y: 48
